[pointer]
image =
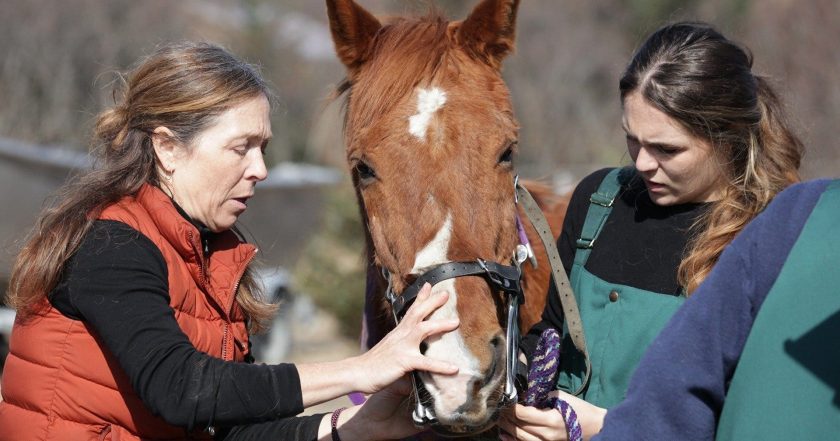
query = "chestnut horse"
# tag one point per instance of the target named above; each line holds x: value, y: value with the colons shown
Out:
x: 430, y: 134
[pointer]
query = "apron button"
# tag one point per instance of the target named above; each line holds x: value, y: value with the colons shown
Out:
x: 613, y: 296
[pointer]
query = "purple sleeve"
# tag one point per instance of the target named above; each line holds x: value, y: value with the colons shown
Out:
x: 680, y: 384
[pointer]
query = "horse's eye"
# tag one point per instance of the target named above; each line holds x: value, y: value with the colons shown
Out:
x: 364, y: 171
x: 507, y: 156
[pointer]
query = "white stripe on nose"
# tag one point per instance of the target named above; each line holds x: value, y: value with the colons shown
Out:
x: 450, y: 392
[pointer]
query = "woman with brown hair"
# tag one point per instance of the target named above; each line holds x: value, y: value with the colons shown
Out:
x: 134, y: 294
x: 711, y: 149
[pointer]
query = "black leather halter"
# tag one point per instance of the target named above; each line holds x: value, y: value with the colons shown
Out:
x: 505, y: 278
x: 502, y: 277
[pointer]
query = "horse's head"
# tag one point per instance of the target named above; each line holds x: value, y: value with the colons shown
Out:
x: 430, y: 133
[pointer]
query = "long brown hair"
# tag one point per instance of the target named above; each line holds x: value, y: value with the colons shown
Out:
x: 704, y: 81
x: 180, y: 86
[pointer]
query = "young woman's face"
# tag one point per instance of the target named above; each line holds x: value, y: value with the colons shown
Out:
x: 213, y: 179
x: 676, y: 166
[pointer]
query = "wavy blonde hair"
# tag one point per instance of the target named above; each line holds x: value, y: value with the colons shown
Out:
x: 704, y: 81
x: 180, y: 86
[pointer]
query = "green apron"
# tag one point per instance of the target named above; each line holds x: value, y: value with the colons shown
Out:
x: 787, y: 382
x: 619, y: 321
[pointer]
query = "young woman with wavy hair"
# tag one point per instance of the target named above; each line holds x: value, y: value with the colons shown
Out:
x: 711, y: 148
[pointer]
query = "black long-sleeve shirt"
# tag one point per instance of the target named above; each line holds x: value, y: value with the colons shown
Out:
x: 641, y: 245
x: 117, y: 283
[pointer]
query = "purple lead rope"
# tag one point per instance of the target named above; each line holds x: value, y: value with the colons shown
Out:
x: 520, y: 231
x: 541, y: 381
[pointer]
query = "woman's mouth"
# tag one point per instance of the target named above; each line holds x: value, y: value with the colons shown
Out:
x: 243, y: 202
x: 655, y: 186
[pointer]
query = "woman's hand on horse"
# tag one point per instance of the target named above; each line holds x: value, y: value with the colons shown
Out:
x: 385, y: 415
x: 399, y: 352
x: 525, y: 423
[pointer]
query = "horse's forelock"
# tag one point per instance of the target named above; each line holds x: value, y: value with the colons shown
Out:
x: 407, y: 52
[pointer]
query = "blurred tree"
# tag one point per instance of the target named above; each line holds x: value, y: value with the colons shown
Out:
x: 331, y: 270
x: 58, y: 57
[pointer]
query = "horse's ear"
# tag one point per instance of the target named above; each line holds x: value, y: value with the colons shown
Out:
x: 490, y: 30
x: 353, y: 29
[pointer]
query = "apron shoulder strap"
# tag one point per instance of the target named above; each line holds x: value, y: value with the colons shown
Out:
x: 600, y: 207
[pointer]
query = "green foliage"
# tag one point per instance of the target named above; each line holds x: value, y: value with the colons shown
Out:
x: 331, y: 269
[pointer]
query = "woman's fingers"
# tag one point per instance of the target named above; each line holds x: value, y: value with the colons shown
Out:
x: 425, y: 304
x: 590, y: 416
x: 415, y: 324
x: 526, y: 423
x: 399, y: 352
x: 433, y: 366
x: 429, y: 328
x: 531, y: 415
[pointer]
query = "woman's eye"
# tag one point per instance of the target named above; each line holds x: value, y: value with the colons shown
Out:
x: 364, y: 171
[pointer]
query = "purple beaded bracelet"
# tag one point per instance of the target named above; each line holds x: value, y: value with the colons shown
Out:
x: 334, y: 423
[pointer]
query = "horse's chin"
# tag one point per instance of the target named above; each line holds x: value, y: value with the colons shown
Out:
x: 461, y: 431
x: 476, y: 416
x: 465, y: 425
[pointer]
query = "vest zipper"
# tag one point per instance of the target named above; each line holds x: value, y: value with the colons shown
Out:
x: 202, y: 271
x: 224, y: 341
x: 230, y: 306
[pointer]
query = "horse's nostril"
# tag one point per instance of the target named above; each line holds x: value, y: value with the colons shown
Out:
x: 496, y: 341
x: 423, y: 347
x: 477, y: 384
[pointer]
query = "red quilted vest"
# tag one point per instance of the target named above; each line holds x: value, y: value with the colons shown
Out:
x: 60, y: 383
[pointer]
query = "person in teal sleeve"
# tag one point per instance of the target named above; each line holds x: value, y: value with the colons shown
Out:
x: 710, y: 149
x: 753, y: 354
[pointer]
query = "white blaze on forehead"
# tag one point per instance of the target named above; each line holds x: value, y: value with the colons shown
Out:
x: 429, y: 101
x: 451, y: 346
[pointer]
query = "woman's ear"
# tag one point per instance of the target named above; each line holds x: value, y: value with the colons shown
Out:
x: 166, y: 149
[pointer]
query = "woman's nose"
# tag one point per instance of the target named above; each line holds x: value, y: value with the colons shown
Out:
x: 257, y: 170
x: 645, y: 162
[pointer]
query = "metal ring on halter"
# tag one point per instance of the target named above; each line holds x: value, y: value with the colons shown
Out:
x: 515, y: 186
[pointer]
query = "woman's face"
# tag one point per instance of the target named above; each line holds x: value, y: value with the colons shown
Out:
x: 676, y: 166
x: 213, y: 179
